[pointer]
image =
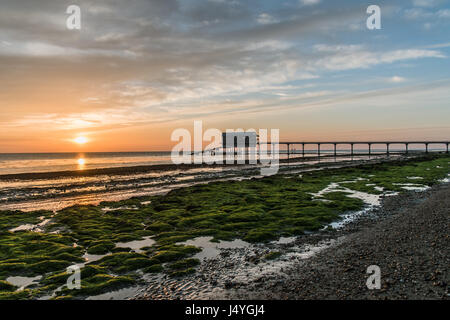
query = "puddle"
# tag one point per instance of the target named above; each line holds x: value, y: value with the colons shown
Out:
x: 23, y: 227
x: 370, y: 199
x: 391, y: 194
x: 418, y: 189
x: 322, y: 200
x: 23, y: 282
x: 92, y: 257
x: 334, y: 186
x: 245, y: 272
x: 108, y: 209
x: 412, y: 186
x: 137, y: 245
x: 212, y: 249
x: 32, y: 227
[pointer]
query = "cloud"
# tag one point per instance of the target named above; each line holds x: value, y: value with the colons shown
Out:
x: 417, y: 13
x: 396, y: 79
x: 265, y: 18
x: 439, y: 45
x: 421, y: 14
x: 426, y: 3
x: 444, y: 13
x: 348, y: 57
x: 309, y: 2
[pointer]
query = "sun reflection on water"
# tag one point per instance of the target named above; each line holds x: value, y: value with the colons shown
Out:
x: 81, y: 162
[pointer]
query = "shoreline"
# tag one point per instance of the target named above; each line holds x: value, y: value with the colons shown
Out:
x: 111, y: 189
x: 130, y: 170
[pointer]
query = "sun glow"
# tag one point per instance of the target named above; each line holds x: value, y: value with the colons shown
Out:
x: 80, y: 140
x: 81, y: 161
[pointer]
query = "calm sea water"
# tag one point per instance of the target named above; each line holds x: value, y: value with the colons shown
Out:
x: 50, y: 162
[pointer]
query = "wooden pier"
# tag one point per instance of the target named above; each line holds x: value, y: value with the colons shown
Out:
x: 426, y: 145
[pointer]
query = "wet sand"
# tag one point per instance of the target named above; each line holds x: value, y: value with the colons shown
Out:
x: 103, y: 171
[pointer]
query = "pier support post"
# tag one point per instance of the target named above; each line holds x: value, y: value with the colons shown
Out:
x: 406, y: 145
x: 335, y: 150
x: 426, y: 147
x: 370, y: 149
x: 351, y: 149
x: 447, y: 147
x: 303, y: 150
x: 288, y: 150
x: 318, y: 150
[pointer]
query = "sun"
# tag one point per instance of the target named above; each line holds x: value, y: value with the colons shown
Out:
x: 80, y: 140
x: 81, y: 161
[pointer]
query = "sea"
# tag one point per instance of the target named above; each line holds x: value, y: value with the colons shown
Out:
x: 11, y: 163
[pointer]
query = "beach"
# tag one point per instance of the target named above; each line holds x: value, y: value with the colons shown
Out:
x: 233, y: 234
x: 407, y: 237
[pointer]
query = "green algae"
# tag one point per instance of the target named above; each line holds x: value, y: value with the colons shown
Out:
x: 16, y: 295
x: 124, y: 262
x: 97, y: 284
x: 184, y: 264
x: 100, y: 247
x: 14, y: 219
x: 167, y: 256
x: 255, y: 210
x: 6, y: 286
x: 156, y: 268
x: 96, y: 228
x: 29, y: 254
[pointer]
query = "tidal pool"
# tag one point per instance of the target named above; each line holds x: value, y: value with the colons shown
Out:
x: 212, y: 249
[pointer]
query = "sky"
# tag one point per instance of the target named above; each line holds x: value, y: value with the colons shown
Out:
x: 139, y: 69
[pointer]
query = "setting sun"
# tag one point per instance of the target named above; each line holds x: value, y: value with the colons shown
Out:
x: 80, y: 140
x: 81, y: 161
